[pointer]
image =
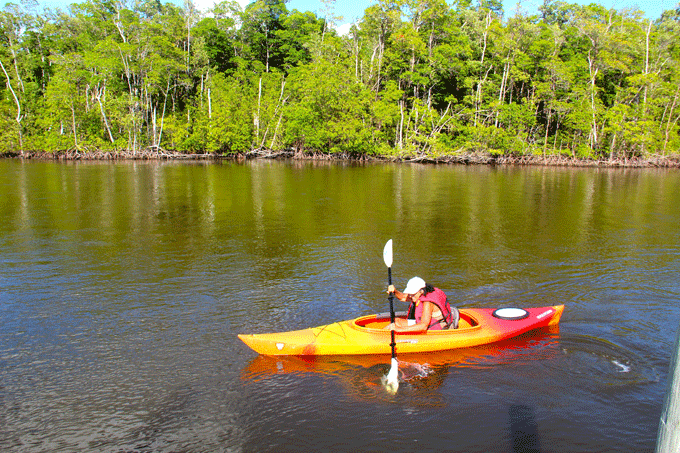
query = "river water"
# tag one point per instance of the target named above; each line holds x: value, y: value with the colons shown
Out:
x: 123, y: 287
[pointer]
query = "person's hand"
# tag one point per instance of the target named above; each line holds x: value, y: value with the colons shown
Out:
x: 390, y: 326
x: 390, y: 289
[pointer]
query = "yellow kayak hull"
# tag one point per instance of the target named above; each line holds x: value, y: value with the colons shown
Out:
x: 365, y: 335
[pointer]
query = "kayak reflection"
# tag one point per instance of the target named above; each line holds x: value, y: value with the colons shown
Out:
x: 422, y: 370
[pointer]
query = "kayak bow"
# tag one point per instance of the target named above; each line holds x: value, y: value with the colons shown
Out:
x: 365, y: 335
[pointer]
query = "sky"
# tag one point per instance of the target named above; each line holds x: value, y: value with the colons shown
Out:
x: 351, y: 10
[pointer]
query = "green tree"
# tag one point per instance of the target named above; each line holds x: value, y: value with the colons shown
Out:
x: 260, y: 23
x: 327, y: 111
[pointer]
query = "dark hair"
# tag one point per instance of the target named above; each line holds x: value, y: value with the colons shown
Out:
x: 428, y: 289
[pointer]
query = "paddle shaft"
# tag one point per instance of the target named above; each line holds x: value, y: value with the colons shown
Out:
x: 392, y: 378
x: 391, y: 297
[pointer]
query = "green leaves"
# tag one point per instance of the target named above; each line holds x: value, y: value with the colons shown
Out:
x: 328, y: 111
x: 415, y: 79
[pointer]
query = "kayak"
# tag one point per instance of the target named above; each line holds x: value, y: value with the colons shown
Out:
x: 365, y: 335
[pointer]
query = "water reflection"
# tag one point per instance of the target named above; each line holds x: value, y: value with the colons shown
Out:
x: 418, y: 370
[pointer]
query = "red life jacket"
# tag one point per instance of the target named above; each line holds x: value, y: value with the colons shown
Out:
x: 437, y: 297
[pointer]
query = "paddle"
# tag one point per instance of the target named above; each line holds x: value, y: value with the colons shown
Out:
x: 392, y: 381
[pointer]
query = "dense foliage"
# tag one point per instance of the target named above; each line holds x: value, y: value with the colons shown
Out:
x: 412, y: 78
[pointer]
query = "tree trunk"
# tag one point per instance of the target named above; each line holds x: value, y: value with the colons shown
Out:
x: 209, y: 105
x: 593, y: 75
x: 480, y: 82
x: 668, y: 123
x: 257, y: 117
x: 101, y: 107
x: 18, y: 104
x: 644, y: 102
x: 401, y: 125
x: 165, y: 101
x: 73, y: 122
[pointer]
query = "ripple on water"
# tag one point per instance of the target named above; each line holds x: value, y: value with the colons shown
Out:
x: 595, y: 361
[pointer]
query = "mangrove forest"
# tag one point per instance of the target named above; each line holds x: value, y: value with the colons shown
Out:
x: 411, y: 79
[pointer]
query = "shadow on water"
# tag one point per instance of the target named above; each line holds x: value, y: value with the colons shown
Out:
x: 523, y: 429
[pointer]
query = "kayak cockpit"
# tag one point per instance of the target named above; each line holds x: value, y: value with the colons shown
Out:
x: 380, y: 321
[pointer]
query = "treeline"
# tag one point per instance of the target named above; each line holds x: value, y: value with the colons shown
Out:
x: 413, y: 78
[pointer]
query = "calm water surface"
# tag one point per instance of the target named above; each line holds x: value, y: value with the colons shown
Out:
x: 123, y: 286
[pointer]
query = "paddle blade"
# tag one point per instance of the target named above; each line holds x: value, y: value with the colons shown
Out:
x: 392, y: 380
x: 387, y: 253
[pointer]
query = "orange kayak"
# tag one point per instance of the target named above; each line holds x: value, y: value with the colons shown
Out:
x: 365, y: 335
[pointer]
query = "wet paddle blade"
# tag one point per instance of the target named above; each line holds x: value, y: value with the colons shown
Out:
x: 387, y: 253
x: 392, y: 381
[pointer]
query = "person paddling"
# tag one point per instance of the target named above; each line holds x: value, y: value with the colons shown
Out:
x: 429, y: 309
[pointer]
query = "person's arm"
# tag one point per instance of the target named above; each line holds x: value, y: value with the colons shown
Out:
x: 402, y: 324
x: 398, y: 294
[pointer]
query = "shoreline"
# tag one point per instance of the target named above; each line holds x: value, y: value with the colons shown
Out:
x: 461, y: 159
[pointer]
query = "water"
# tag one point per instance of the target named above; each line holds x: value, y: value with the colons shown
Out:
x: 123, y: 286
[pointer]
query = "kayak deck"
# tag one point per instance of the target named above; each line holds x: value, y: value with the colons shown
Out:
x: 365, y: 335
